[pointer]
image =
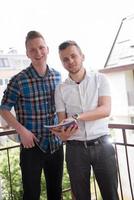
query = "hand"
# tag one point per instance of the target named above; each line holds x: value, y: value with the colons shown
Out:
x: 28, y: 139
x: 65, y: 133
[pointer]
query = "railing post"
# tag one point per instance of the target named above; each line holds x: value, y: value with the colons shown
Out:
x: 127, y: 160
x: 10, y: 180
x: 0, y: 189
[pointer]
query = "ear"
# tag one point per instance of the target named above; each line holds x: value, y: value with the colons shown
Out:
x: 27, y: 53
x: 47, y: 50
x: 83, y: 57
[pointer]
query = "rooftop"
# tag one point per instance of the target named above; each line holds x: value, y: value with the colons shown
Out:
x: 121, y: 54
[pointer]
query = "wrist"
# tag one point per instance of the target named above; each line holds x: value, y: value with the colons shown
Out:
x: 76, y: 116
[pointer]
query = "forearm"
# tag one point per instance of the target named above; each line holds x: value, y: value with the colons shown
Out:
x: 101, y: 111
x: 98, y: 113
x: 27, y: 138
x: 11, y: 120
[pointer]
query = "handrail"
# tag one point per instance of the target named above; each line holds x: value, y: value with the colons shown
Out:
x: 121, y: 126
x: 7, y: 132
x: 111, y: 125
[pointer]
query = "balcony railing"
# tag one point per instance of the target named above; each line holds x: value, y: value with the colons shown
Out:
x: 122, y: 139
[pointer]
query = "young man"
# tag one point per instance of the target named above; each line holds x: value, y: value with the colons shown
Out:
x: 31, y: 93
x: 86, y: 97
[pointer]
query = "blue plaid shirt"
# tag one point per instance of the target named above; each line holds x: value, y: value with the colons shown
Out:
x: 32, y: 97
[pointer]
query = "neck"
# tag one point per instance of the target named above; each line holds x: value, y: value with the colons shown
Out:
x: 41, y: 70
x: 79, y: 76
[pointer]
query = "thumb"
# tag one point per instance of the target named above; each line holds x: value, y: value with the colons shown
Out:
x: 35, y: 139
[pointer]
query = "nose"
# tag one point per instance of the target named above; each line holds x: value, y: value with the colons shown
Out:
x: 70, y: 60
x: 37, y: 52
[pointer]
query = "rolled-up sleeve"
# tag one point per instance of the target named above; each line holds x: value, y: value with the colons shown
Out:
x: 10, y: 95
x: 104, y: 86
x: 60, y: 105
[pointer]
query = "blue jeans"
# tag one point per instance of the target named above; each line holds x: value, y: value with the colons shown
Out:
x: 32, y: 162
x: 101, y: 156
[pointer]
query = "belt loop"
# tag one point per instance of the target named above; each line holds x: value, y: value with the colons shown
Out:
x: 85, y: 144
x: 98, y: 142
x: 103, y: 139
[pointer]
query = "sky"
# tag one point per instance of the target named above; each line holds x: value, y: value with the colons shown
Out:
x: 93, y: 24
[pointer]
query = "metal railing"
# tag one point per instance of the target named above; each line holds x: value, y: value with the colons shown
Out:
x: 124, y: 143
x: 122, y: 139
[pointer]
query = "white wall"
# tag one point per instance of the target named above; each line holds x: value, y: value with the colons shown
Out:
x: 119, y: 94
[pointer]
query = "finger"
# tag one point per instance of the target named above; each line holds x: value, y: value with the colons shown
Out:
x: 35, y: 139
x: 32, y: 145
x: 68, y: 129
x: 74, y: 128
x: 26, y: 147
x: 29, y: 146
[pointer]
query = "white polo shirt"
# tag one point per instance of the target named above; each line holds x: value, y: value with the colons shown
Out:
x: 72, y: 98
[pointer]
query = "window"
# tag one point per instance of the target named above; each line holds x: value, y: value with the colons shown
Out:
x: 132, y: 120
x: 4, y: 62
x: 1, y: 82
x: 6, y: 81
x: 1, y: 62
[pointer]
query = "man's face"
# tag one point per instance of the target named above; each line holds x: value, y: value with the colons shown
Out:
x: 37, y: 51
x: 72, y: 59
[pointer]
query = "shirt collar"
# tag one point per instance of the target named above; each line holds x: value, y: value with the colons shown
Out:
x: 35, y: 73
x: 69, y: 80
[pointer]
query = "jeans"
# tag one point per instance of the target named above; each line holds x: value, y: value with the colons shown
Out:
x: 101, y: 157
x: 32, y: 162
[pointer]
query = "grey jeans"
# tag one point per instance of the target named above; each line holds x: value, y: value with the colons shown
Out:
x: 101, y: 156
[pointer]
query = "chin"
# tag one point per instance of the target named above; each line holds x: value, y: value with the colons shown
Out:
x: 74, y: 71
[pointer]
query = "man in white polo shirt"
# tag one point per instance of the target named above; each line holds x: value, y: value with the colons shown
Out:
x: 86, y: 97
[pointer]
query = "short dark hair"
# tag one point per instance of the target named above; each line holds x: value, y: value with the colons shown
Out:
x: 68, y: 43
x: 32, y: 35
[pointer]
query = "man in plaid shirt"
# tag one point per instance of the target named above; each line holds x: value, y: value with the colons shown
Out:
x: 31, y: 93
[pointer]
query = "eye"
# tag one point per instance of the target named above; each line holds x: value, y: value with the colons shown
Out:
x: 42, y: 47
x: 73, y: 56
x: 65, y: 60
x: 32, y: 50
